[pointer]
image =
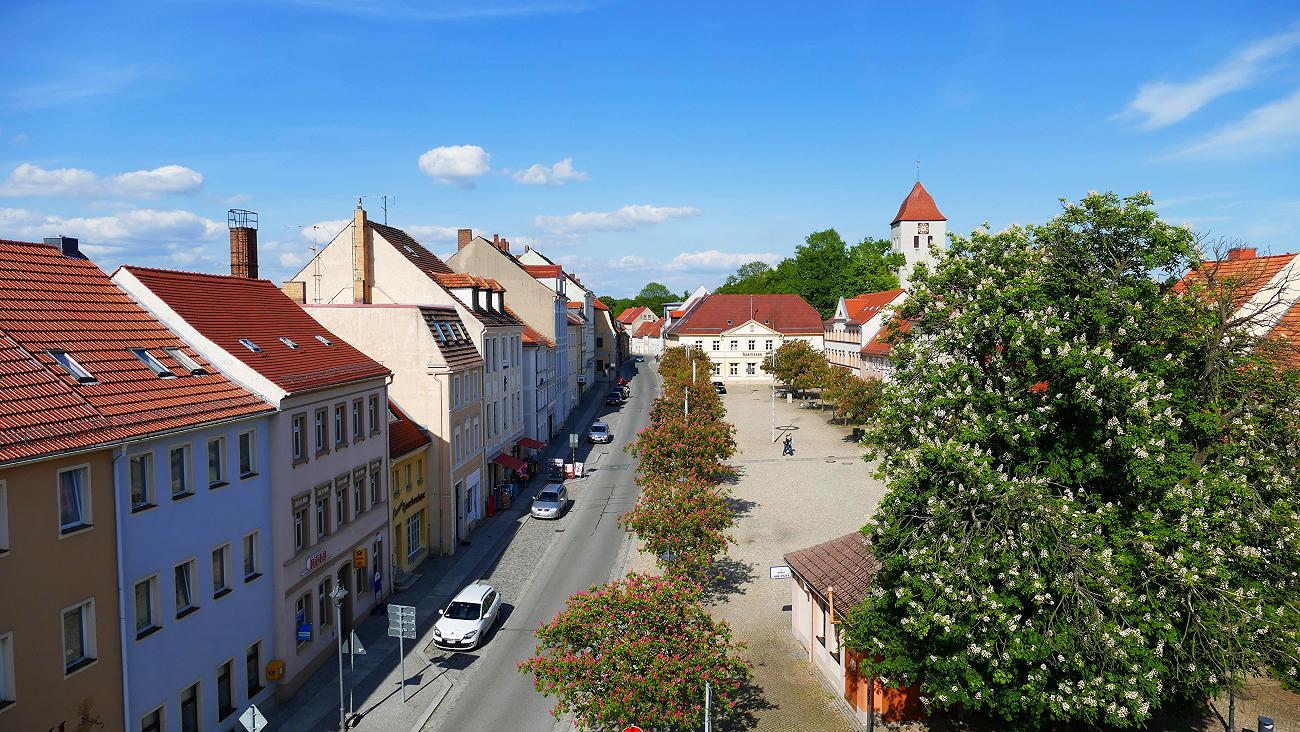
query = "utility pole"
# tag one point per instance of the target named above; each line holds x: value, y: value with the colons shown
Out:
x: 773, y: 357
x: 708, y: 699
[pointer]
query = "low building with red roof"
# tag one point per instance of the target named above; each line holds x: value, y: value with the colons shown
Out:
x: 740, y: 331
x: 325, y: 456
x: 855, y: 323
x: 408, y: 455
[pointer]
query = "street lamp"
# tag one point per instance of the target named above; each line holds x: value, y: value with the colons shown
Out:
x: 337, y: 596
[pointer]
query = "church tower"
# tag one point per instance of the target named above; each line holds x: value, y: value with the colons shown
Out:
x: 918, y: 227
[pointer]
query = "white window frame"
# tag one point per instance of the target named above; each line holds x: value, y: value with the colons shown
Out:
x: 8, y: 690
x: 90, y: 653
x: 298, y: 438
x: 225, y: 588
x: 456, y: 446
x: 69, y: 364
x: 358, y: 426
x: 455, y: 392
x: 257, y: 670
x: 341, y: 424
x: 154, y: 606
x: 373, y: 413
x: 301, y: 529
x: 230, y: 681
x: 252, y: 453
x: 256, y: 545
x: 87, y: 492
x: 151, y: 361
x: 150, y: 497
x: 161, y: 711
x: 303, y: 603
x: 192, y: 567
x: 414, y: 529
x: 197, y: 686
x: 4, y: 521
x: 223, y: 470
x: 187, y: 457
x: 321, y: 431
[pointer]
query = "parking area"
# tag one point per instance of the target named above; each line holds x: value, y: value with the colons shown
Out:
x: 785, y: 503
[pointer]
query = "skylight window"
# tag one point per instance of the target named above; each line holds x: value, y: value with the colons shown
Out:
x: 70, y: 364
x: 250, y: 345
x: 150, y: 360
x: 186, y: 362
x: 289, y: 343
x: 324, y: 340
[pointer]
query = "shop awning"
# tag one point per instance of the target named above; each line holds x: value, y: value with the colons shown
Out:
x: 509, y: 462
x: 531, y: 443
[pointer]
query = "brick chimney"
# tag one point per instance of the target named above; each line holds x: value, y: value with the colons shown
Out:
x: 496, y: 241
x: 243, y: 243
x: 1242, y: 253
x: 527, y: 249
x: 362, y: 257
x: 505, y: 246
x: 296, y: 290
x: 463, y: 238
x: 66, y: 244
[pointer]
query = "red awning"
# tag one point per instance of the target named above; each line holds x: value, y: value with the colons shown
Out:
x: 509, y: 462
x: 531, y: 443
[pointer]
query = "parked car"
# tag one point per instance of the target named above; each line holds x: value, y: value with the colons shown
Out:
x: 599, y: 432
x: 720, y: 387
x: 467, y: 618
x: 639, y: 359
x: 550, y: 501
x: 615, y: 398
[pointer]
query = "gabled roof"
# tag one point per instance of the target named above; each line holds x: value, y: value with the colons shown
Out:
x: 846, y: 564
x: 650, y: 328
x: 862, y: 308
x: 49, y: 301
x: 1242, y: 271
x: 918, y: 206
x: 598, y: 304
x: 427, y: 261
x: 631, y: 314
x: 880, y: 345
x: 451, y: 337
x: 532, y: 336
x: 404, y: 435
x: 575, y: 305
x: 576, y: 319
x: 1288, y: 329
x: 542, y: 271
x: 226, y: 309
x: 788, y: 314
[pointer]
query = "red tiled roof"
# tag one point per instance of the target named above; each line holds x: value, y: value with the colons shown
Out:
x: 651, y: 328
x: 676, y: 313
x: 225, y: 309
x: 845, y: 564
x: 788, y: 314
x: 49, y: 301
x: 627, y: 316
x: 404, y: 435
x: 880, y: 345
x: 862, y: 308
x: 599, y: 305
x: 918, y: 206
x: 542, y: 270
x: 1244, y: 273
x: 532, y: 337
x: 427, y: 261
x: 574, y: 304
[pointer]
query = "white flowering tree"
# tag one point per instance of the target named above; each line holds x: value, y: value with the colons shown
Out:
x: 1093, y: 503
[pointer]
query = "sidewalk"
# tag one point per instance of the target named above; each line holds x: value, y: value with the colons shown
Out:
x: 375, y: 681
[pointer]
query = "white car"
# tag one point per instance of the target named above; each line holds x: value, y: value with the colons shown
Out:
x: 550, y: 501
x: 599, y: 432
x: 467, y: 618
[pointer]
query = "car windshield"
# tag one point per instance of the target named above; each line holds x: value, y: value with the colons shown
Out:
x: 462, y: 611
x: 599, y: 428
x: 548, y: 496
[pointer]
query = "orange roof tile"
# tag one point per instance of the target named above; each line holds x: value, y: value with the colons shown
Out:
x: 918, y: 206
x: 846, y: 564
x: 650, y: 328
x: 49, y: 301
x: 862, y: 308
x: 226, y: 309
x: 880, y: 345
x: 404, y: 435
x: 542, y: 270
x: 598, y: 304
x: 788, y: 314
x: 1242, y: 273
x: 632, y: 313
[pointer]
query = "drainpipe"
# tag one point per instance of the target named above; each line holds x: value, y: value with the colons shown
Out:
x: 123, y: 621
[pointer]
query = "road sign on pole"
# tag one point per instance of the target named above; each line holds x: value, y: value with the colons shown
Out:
x: 401, y: 624
x: 253, y: 719
x: 353, y: 645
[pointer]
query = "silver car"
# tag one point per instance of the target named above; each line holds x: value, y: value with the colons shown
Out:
x: 599, y: 432
x: 550, y: 502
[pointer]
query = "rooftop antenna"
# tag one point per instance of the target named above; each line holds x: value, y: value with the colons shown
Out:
x: 315, y: 259
x: 383, y: 202
x: 918, y: 171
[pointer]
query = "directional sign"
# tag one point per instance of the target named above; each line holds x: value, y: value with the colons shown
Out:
x: 779, y: 572
x: 407, y: 611
x: 253, y: 719
x: 353, y: 645
x: 407, y: 632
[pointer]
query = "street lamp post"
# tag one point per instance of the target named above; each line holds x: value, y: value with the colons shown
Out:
x: 773, y: 357
x: 337, y: 595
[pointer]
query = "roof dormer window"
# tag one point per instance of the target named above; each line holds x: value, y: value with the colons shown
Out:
x: 70, y: 364
x: 250, y: 345
x: 185, y: 362
x: 150, y: 360
x: 289, y: 343
x: 324, y: 340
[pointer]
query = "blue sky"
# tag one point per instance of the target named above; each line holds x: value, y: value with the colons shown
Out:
x: 664, y: 140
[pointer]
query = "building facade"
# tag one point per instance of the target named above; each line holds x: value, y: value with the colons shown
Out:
x: 740, y: 332
x: 409, y: 465
x: 855, y: 325
x: 918, y: 232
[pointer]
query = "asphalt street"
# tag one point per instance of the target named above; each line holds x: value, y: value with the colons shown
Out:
x: 488, y: 693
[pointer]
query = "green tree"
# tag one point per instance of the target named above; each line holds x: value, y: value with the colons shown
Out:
x: 750, y: 279
x: 638, y: 651
x: 797, y: 365
x: 872, y: 267
x: 1092, y: 509
x: 821, y: 264
x: 855, y: 400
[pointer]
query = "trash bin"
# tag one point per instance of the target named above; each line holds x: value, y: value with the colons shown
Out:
x: 1266, y: 724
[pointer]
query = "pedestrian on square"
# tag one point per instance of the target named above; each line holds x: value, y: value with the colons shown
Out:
x: 787, y: 448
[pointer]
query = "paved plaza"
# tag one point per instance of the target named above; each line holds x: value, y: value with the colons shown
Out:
x: 785, y: 503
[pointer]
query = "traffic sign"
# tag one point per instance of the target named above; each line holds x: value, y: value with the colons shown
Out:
x: 358, y: 558
x: 253, y: 719
x: 353, y: 645
x: 632, y: 728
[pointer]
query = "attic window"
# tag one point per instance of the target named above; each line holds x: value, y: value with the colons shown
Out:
x: 408, y: 248
x: 728, y: 322
x: 289, y: 343
x: 392, y: 415
x: 153, y: 363
x: 324, y: 340
x: 250, y: 345
x: 72, y: 367
x: 185, y: 362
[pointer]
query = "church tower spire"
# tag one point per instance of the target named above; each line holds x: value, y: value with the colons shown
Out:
x: 916, y: 230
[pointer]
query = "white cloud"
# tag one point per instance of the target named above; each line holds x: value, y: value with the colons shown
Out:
x: 140, y: 225
x: 238, y: 198
x: 32, y: 180
x: 292, y: 259
x: 1160, y: 103
x: 624, y: 219
x: 712, y: 260
x: 553, y: 175
x: 457, y: 165
x: 1270, y: 127
x: 323, y: 232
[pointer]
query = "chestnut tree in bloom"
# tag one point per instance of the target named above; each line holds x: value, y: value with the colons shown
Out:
x: 682, y: 522
x: 638, y: 651
x: 1093, y: 509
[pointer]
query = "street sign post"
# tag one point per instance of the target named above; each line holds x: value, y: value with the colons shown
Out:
x: 781, y: 571
x: 253, y: 719
x: 401, y: 624
x: 352, y: 646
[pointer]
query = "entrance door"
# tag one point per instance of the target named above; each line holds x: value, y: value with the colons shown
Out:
x: 345, y: 611
x: 550, y: 427
x: 460, y: 511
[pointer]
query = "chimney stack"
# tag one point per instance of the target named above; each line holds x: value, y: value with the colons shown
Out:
x: 527, y: 249
x: 463, y: 238
x: 505, y: 246
x: 361, y: 257
x: 243, y: 243
x: 65, y: 244
x: 1242, y: 253
x: 295, y: 290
